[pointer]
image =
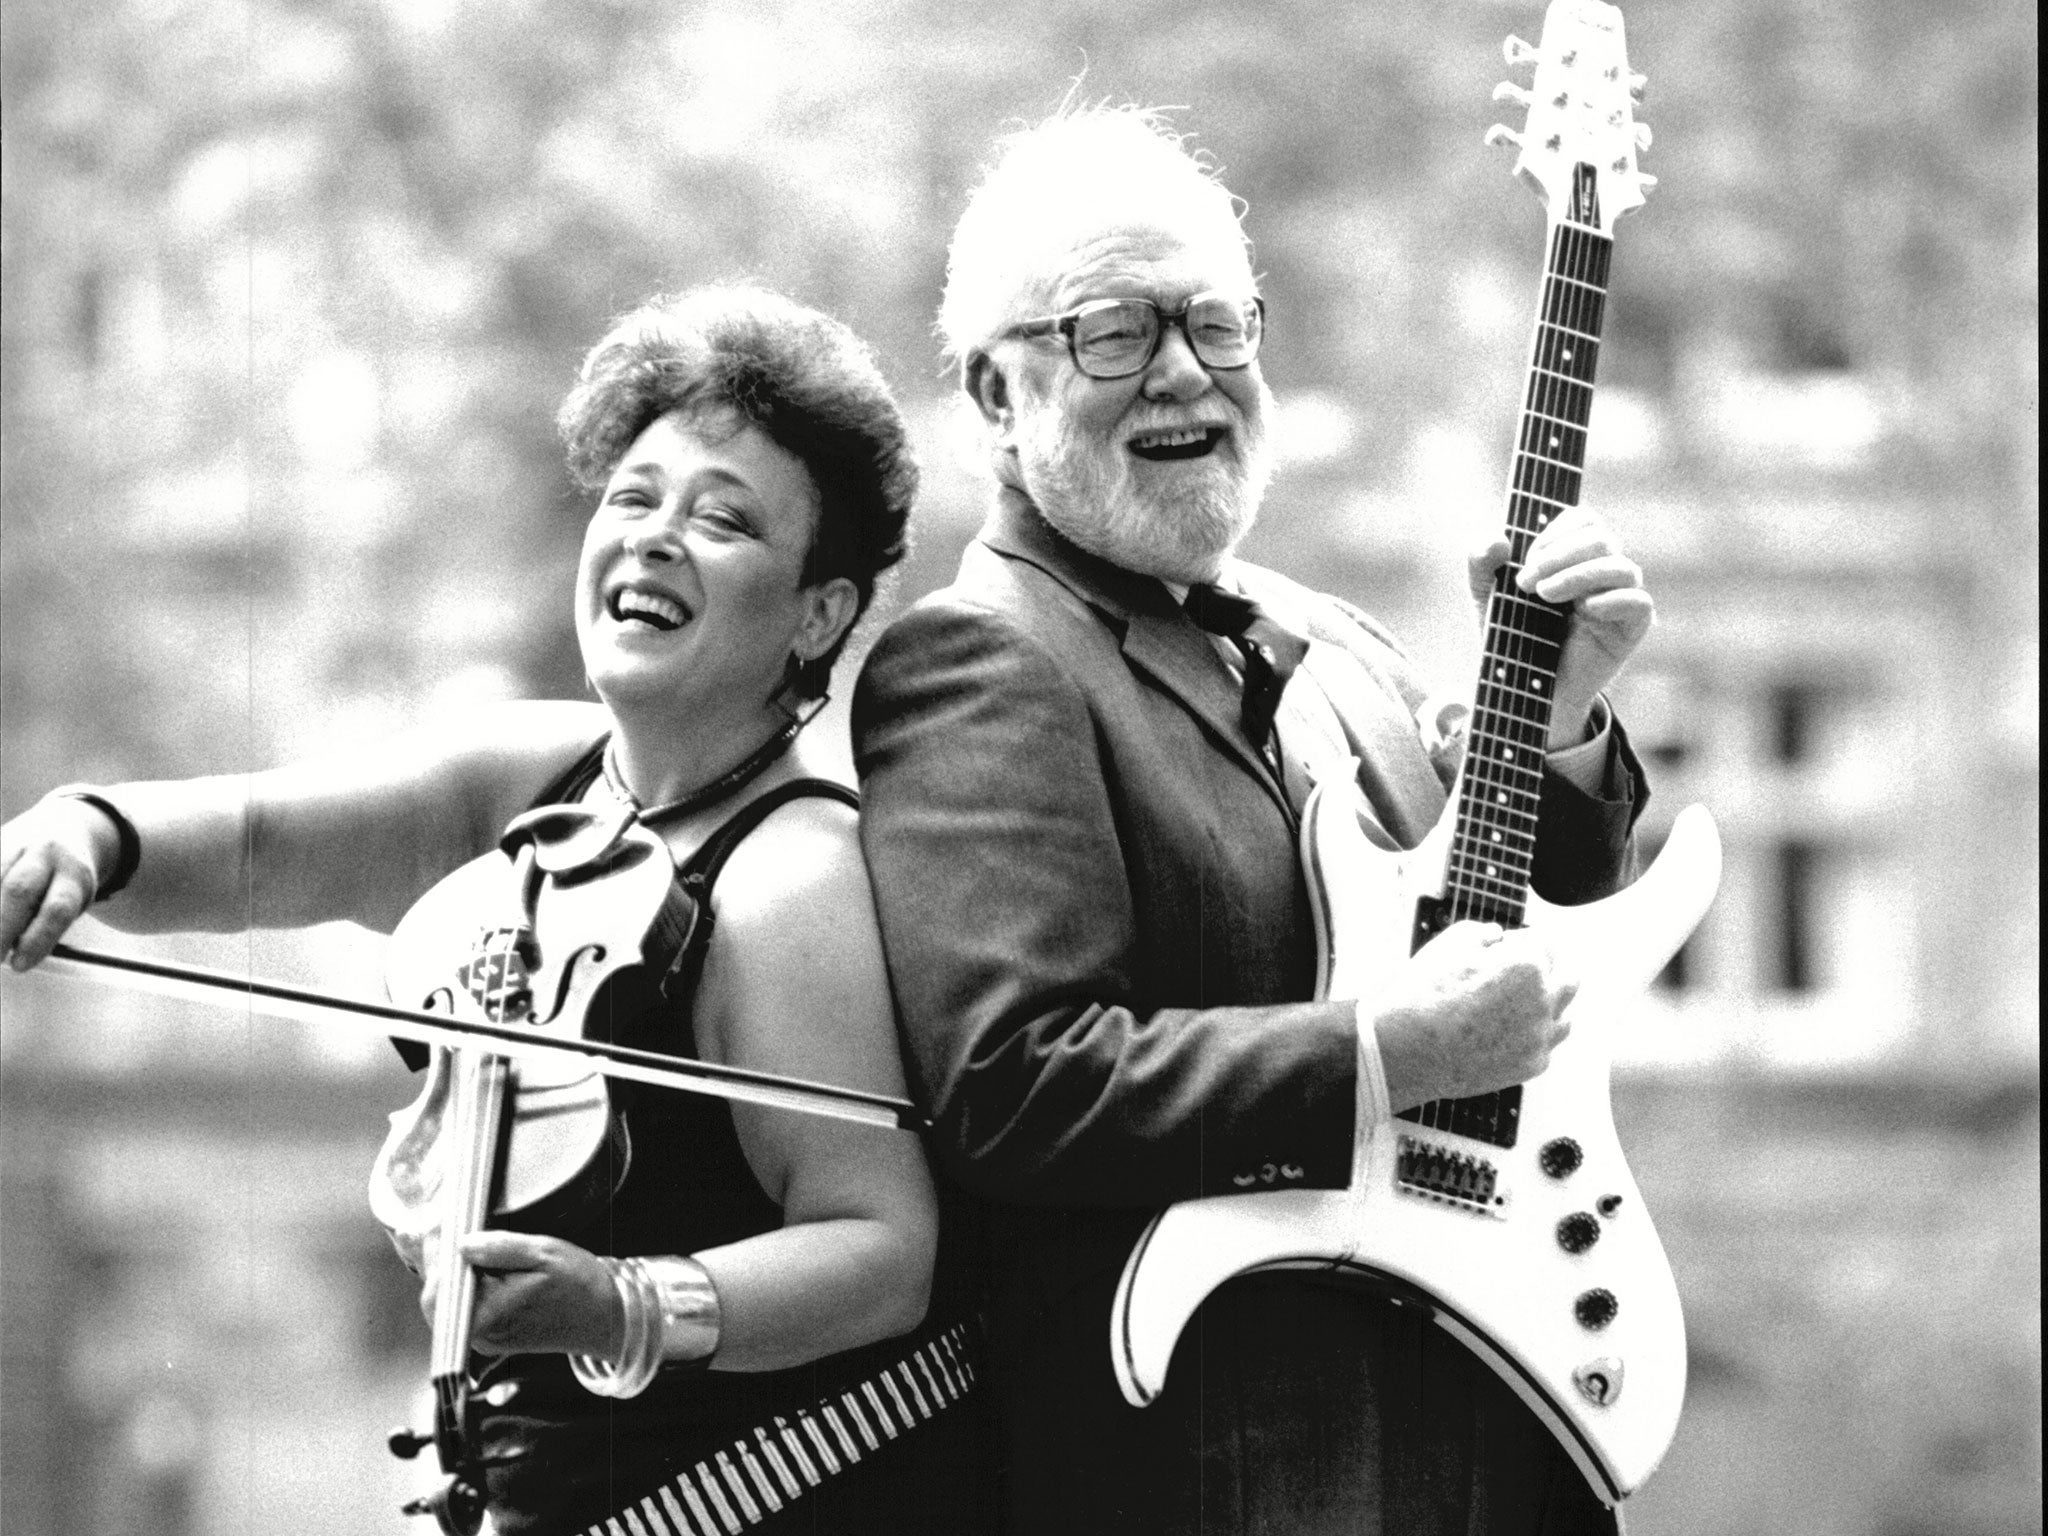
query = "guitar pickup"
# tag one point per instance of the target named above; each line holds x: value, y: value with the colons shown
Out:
x: 1491, y: 1117
x: 1431, y: 1172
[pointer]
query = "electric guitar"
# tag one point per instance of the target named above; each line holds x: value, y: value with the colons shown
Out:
x: 1512, y: 1217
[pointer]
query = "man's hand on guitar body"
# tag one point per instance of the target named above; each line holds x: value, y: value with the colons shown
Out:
x: 1476, y: 1009
x: 1577, y: 563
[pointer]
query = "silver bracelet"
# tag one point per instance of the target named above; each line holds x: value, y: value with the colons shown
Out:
x: 639, y: 1349
x: 689, y: 1309
x: 670, y: 1308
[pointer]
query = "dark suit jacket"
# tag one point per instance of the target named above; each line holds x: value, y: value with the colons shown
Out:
x: 1093, y: 909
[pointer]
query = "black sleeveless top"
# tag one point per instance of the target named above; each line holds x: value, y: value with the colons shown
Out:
x: 575, y: 1458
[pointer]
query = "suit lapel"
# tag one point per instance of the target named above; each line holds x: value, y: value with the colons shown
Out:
x: 1158, y: 639
x: 1395, y: 771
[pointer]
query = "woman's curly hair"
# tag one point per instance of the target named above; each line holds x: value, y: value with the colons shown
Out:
x: 800, y: 376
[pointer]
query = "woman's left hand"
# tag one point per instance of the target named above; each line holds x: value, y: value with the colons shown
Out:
x: 537, y: 1295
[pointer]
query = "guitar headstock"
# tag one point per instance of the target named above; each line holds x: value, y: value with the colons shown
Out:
x: 1581, y: 107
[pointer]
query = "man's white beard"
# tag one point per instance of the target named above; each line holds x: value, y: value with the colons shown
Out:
x: 1091, y: 493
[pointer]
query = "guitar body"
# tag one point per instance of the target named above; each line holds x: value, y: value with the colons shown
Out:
x: 1491, y: 1270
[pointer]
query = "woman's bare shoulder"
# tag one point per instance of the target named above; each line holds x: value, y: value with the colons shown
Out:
x: 806, y: 851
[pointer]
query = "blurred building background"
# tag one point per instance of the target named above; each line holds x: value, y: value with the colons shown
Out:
x: 291, y: 288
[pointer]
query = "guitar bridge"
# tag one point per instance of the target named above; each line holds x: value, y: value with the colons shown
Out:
x: 1459, y: 1179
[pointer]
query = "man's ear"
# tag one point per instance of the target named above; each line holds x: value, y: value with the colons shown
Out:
x: 989, y: 391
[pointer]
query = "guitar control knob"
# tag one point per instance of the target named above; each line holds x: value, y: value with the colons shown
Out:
x: 1578, y: 1232
x: 1595, y: 1309
x: 1560, y: 1158
x: 1599, y: 1381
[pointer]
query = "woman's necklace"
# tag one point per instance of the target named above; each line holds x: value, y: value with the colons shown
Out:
x: 710, y: 794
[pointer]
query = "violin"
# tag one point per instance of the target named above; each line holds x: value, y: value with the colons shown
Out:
x: 575, y: 925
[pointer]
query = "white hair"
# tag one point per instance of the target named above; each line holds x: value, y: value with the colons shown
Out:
x: 1083, y: 169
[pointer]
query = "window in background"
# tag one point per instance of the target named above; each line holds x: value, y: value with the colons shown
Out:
x: 1794, y: 965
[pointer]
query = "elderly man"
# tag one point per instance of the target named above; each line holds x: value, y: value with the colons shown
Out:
x: 1095, y: 913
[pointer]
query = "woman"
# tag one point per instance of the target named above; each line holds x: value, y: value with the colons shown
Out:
x: 754, y: 479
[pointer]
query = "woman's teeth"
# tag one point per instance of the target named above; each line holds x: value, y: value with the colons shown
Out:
x: 649, y: 608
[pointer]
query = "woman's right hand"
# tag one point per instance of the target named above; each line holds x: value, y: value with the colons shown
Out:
x: 50, y: 859
x: 535, y: 1295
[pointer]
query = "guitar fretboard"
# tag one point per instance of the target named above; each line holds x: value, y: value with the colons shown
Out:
x: 1493, y: 837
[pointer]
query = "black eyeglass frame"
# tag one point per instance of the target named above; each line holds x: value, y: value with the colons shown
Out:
x: 1065, y: 325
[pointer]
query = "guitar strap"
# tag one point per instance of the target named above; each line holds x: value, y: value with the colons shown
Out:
x: 755, y: 1476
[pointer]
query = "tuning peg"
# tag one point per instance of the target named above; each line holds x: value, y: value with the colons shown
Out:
x: 1507, y: 90
x: 1637, y: 84
x: 1515, y: 51
x: 1501, y: 133
x: 1642, y: 137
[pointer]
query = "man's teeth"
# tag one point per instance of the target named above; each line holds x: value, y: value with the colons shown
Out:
x: 1180, y: 439
x: 1180, y: 443
x: 662, y: 612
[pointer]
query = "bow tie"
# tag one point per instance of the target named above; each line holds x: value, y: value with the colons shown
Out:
x: 1271, y: 651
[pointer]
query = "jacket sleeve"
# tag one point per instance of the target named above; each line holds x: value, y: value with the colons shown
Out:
x: 1010, y: 927
x: 1585, y: 843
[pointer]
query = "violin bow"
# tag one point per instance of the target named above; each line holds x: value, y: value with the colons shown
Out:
x: 301, y: 1005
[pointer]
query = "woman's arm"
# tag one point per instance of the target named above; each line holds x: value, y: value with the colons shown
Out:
x: 357, y: 836
x: 794, y: 983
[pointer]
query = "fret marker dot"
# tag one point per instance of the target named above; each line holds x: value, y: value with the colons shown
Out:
x: 1501, y: 796
x: 1535, y: 682
x: 1493, y: 869
x: 1566, y: 354
x: 1554, y: 439
x: 1496, y: 837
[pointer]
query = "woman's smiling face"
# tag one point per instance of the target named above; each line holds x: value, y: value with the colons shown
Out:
x: 690, y: 590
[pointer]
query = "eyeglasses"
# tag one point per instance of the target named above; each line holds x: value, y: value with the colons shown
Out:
x: 1115, y: 338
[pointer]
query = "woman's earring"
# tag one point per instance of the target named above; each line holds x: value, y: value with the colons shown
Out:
x: 802, y: 693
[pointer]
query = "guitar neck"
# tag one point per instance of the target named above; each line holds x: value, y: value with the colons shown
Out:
x: 1493, y: 840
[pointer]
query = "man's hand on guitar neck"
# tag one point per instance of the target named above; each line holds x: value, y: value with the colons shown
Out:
x: 1476, y: 1009
x: 1576, y: 562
